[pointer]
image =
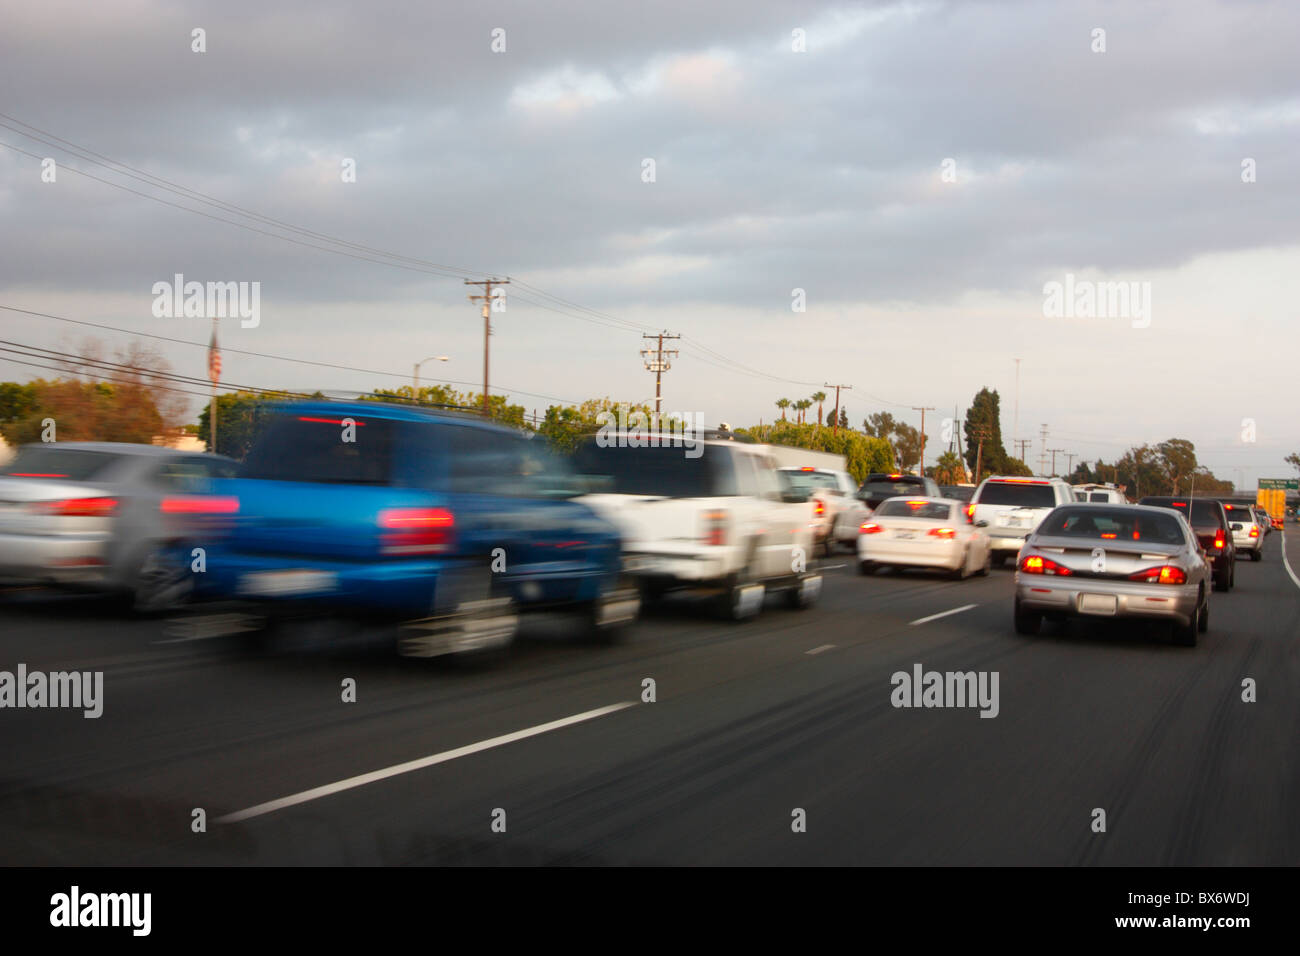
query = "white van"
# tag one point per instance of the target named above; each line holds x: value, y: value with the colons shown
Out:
x: 1009, y: 509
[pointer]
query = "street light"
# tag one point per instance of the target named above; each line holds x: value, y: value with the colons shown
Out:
x: 415, y: 373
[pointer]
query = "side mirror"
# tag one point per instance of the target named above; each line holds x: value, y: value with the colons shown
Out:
x: 981, y: 523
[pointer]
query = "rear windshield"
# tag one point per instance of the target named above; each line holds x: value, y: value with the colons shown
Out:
x: 889, y: 487
x: 1113, y: 524
x: 1205, y: 513
x: 70, y: 464
x: 914, y: 508
x: 1102, y: 496
x: 1017, y: 494
x: 315, y: 448
x: 809, y: 481
x: 662, y: 471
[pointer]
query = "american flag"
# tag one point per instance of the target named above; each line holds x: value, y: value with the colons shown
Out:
x: 214, y: 357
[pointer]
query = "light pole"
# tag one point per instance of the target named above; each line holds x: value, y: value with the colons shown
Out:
x: 415, y: 373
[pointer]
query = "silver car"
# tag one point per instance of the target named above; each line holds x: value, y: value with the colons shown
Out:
x: 97, y: 515
x: 1100, y: 560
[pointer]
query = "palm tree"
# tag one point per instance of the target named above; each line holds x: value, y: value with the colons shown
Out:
x: 803, y: 405
x: 783, y: 404
x: 819, y: 397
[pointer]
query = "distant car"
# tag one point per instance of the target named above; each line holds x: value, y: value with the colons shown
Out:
x: 725, y: 522
x: 924, y: 533
x: 99, y: 515
x: 1108, y: 561
x: 1247, y: 536
x: 1012, y: 507
x: 880, y: 486
x: 431, y: 528
x: 1099, y: 494
x: 1210, y: 523
x: 962, y: 493
x: 837, y: 510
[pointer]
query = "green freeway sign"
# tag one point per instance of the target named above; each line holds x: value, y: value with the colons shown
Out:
x: 1290, y: 484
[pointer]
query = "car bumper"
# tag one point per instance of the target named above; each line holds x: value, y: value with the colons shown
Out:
x: 691, y: 567
x: 55, y: 558
x: 918, y: 553
x: 1091, y: 598
x: 1007, y: 541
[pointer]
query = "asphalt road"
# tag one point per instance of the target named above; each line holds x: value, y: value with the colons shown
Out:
x: 750, y: 723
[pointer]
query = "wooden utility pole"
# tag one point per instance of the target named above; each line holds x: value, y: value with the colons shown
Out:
x: 486, y: 299
x: 835, y: 412
x: 658, y: 361
x: 981, y: 432
x: 922, y: 411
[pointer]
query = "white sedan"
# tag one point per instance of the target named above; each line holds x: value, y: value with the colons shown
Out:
x: 923, y: 533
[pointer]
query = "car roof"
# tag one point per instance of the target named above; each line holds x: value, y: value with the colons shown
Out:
x: 390, y: 411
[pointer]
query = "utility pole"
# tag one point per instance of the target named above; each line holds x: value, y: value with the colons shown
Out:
x: 486, y: 299
x: 835, y: 412
x: 981, y: 433
x: 922, y: 411
x: 1022, y: 446
x: 1054, y: 451
x: 1069, y: 462
x: 1015, y: 431
x: 1042, y: 456
x: 660, y: 363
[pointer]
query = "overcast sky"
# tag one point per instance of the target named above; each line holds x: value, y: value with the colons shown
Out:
x: 775, y: 169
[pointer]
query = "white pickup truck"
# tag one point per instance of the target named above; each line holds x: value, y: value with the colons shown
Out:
x: 837, y: 509
x: 720, y: 520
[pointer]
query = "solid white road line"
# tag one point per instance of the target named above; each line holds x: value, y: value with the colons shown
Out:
x: 1287, y: 564
x: 818, y: 650
x: 411, y: 765
x: 831, y: 567
x: 935, y: 617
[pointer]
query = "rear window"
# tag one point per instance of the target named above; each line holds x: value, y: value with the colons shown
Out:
x: 312, y: 448
x: 875, y: 487
x: 1204, y: 514
x: 806, y: 482
x: 1113, y: 524
x: 916, y: 508
x: 662, y: 471
x: 1017, y: 494
x: 1101, y: 496
x: 70, y: 464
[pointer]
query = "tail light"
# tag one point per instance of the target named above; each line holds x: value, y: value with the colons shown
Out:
x: 1037, y: 564
x: 970, y: 514
x: 1163, y: 575
x: 1254, y: 532
x: 1219, y: 541
x: 199, y: 505
x: 77, y: 507
x: 946, y: 533
x: 416, y: 530
x: 870, y: 527
x: 819, y: 507
x: 715, y: 528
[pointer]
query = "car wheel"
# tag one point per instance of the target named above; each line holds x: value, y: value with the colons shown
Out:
x: 160, y: 584
x: 1257, y: 555
x: 608, y: 619
x: 1027, y: 622
x: 962, y: 571
x: 998, y: 558
x: 804, y: 594
x: 1185, y: 634
x: 866, y: 568
x: 1221, y: 581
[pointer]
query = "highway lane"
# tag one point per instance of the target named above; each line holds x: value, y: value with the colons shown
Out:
x: 747, y: 726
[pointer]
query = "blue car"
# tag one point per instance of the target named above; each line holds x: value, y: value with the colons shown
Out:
x: 438, y: 525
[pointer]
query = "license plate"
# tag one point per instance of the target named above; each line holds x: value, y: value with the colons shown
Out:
x: 1009, y: 522
x: 1097, y: 604
x: 905, y: 534
x: 295, y: 581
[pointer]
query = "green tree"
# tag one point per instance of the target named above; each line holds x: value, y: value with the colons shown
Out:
x: 907, y: 446
x: 949, y: 470
x: 1178, y: 458
x: 802, y: 405
x: 984, y: 417
x: 863, y: 454
x: 844, y: 417
x: 564, y: 427
x: 783, y: 404
x: 1293, y: 460
x: 880, y: 425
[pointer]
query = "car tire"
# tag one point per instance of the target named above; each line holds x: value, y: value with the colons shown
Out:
x: 999, y: 558
x: 1185, y: 634
x: 1027, y: 622
x: 866, y: 568
x: 160, y: 585
x: 960, y: 573
x: 1221, y: 581
x: 610, y: 633
x: 1257, y: 555
x: 800, y: 599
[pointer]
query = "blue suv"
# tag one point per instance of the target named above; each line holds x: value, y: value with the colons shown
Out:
x: 439, y: 524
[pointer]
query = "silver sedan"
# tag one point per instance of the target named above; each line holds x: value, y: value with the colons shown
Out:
x: 97, y: 515
x: 1101, y: 560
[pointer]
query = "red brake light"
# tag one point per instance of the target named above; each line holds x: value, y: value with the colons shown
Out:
x: 416, y: 530
x: 34, y: 474
x: 78, y: 507
x: 1168, y: 574
x: 944, y: 533
x: 328, y: 421
x: 870, y: 527
x: 1254, y: 532
x: 970, y: 512
x: 715, y: 528
x: 1036, y: 564
x: 807, y: 468
x: 916, y: 504
x: 1219, y: 541
x: 199, y: 505
x: 819, y: 508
